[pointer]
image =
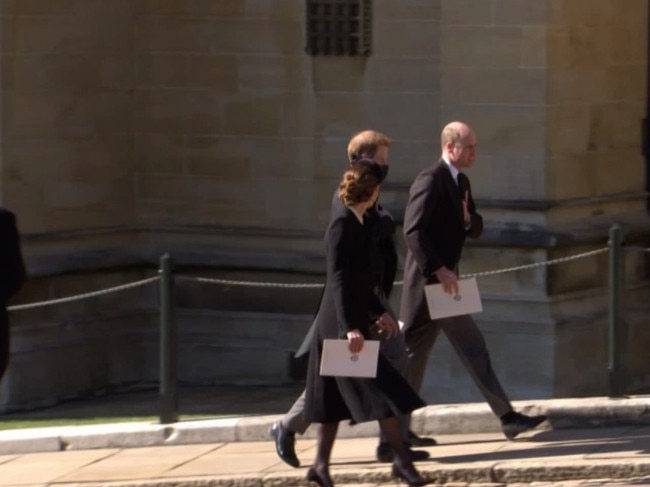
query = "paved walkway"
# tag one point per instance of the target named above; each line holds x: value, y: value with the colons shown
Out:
x: 584, y: 441
x: 605, y: 453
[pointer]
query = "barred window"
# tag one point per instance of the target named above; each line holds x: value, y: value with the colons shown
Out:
x: 338, y: 27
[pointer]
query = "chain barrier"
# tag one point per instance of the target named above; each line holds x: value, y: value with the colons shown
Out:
x: 396, y: 283
x: 228, y: 282
x: 78, y: 297
x: 637, y: 249
x: 536, y: 264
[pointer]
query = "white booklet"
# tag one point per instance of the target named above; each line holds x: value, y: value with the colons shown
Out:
x: 337, y: 359
x: 443, y: 305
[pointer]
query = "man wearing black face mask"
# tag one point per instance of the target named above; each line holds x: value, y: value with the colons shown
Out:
x: 373, y: 145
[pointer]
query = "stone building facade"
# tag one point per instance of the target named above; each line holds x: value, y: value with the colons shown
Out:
x: 131, y: 128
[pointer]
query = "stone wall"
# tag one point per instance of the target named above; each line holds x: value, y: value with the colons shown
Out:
x: 596, y: 92
x: 595, y: 176
x: 236, y: 127
x: 136, y: 127
x: 83, y: 347
x: 67, y: 137
x: 66, y: 169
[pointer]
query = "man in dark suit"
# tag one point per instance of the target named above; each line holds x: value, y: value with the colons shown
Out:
x: 439, y: 215
x: 12, y: 277
x: 373, y: 145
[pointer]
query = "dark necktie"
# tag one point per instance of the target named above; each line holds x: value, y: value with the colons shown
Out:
x: 463, y: 185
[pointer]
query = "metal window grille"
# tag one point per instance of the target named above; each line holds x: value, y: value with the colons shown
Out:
x: 338, y: 27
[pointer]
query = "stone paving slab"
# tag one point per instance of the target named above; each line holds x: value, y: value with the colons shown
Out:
x: 484, y: 459
x: 433, y: 420
x: 47, y: 468
x: 595, y: 439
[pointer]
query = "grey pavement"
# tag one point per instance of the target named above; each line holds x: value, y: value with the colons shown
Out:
x: 585, y: 441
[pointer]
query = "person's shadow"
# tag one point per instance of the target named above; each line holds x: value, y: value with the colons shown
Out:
x: 597, y: 443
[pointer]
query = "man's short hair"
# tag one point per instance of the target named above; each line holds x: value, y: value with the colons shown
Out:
x: 452, y: 133
x: 366, y: 143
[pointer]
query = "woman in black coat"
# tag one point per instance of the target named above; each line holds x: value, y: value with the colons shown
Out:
x: 349, y: 309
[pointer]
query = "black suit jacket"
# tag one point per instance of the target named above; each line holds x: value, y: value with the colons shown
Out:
x: 12, y: 267
x: 384, y: 252
x: 435, y: 231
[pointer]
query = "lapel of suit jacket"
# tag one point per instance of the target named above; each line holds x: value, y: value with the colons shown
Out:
x: 453, y: 190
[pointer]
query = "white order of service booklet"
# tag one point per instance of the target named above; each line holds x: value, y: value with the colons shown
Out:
x: 337, y: 360
x: 444, y: 305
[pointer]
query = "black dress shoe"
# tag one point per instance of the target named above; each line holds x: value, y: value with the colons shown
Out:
x: 410, y: 476
x: 517, y: 423
x: 385, y: 453
x: 415, y: 440
x: 323, y: 480
x: 284, y: 444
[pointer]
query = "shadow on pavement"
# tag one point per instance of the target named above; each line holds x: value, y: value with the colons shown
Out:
x: 602, y: 443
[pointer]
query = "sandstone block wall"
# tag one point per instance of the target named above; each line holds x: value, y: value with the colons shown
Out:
x: 67, y: 135
x: 201, y: 128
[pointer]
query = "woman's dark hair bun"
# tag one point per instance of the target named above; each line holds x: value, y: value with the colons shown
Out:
x: 373, y: 165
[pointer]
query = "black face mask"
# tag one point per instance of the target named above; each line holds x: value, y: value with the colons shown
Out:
x: 380, y: 170
x: 384, y: 171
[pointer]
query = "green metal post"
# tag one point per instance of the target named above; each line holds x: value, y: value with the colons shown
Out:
x: 168, y: 399
x: 616, y: 326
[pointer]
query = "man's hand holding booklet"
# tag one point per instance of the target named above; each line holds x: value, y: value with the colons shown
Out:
x: 443, y: 304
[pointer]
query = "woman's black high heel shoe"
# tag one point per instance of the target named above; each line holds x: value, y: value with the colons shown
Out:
x: 325, y: 481
x: 411, y: 478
